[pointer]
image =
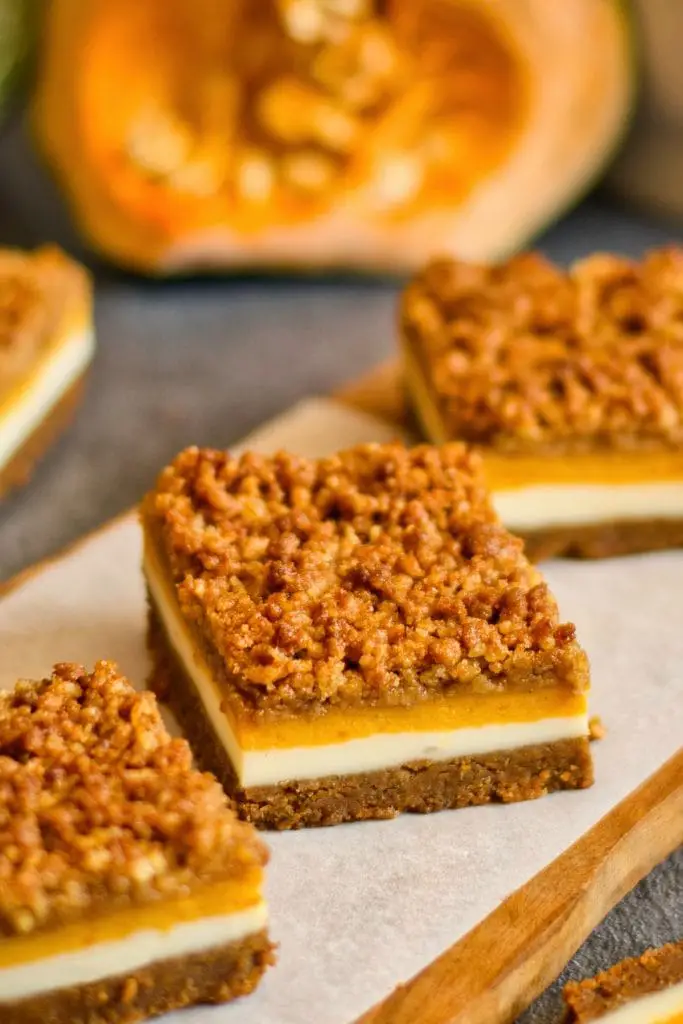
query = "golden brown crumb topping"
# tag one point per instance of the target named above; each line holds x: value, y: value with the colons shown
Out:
x: 378, y: 575
x: 655, y: 970
x: 523, y: 356
x: 37, y: 291
x: 22, y: 312
x: 99, y: 806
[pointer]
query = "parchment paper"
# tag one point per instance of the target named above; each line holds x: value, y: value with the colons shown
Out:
x: 358, y: 908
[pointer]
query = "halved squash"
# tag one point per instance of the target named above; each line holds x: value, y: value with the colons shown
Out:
x: 359, y: 133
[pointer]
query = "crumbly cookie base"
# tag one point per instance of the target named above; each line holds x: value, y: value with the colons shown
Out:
x: 604, y: 540
x: 18, y: 470
x: 419, y: 787
x: 213, y: 976
x: 631, y: 979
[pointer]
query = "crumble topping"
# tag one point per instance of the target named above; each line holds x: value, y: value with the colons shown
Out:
x: 523, y: 356
x: 23, y: 313
x: 378, y: 575
x: 637, y: 976
x: 99, y: 806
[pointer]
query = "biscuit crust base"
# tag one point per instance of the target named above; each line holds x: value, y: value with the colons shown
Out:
x: 604, y: 540
x: 419, y: 787
x: 214, y: 976
x: 18, y: 470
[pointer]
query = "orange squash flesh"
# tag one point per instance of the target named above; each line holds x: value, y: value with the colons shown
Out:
x: 167, y: 158
x: 306, y: 132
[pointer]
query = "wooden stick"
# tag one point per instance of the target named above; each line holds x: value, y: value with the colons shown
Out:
x: 499, y: 968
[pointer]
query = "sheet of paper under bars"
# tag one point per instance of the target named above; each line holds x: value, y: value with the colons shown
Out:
x: 357, y: 909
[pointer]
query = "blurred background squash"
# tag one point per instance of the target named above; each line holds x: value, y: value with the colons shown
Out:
x: 191, y: 134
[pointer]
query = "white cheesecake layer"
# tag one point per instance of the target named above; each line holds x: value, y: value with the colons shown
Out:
x: 124, y: 956
x: 547, y: 506
x: 51, y: 380
x: 373, y: 753
x: 656, y: 1008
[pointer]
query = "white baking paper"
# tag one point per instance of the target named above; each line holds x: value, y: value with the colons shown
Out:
x: 358, y: 908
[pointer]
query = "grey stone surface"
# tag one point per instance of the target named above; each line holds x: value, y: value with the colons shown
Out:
x: 203, y: 362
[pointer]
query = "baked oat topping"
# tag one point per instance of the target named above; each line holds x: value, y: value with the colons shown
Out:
x: 99, y: 806
x: 23, y: 313
x: 638, y: 976
x: 380, y: 574
x: 524, y: 356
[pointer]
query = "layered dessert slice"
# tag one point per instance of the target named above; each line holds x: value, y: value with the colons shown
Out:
x: 127, y: 885
x: 643, y: 990
x: 46, y: 345
x: 570, y: 383
x: 357, y: 636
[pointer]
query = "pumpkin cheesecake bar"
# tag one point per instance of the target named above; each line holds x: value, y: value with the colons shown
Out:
x: 127, y: 886
x: 643, y: 990
x: 570, y: 383
x: 46, y: 345
x: 357, y: 636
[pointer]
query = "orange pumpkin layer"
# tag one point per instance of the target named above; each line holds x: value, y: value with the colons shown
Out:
x: 470, y: 711
x: 219, y: 899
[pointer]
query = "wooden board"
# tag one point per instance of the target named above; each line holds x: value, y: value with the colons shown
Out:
x: 498, y: 968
